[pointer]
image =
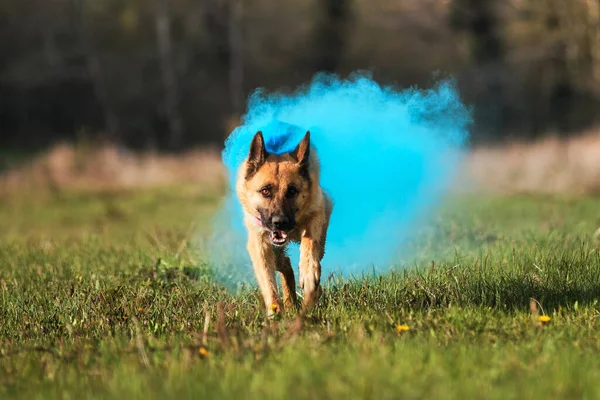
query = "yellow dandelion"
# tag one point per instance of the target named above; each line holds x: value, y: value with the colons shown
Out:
x: 140, y: 309
x: 274, y: 307
x: 401, y: 328
x: 544, y: 318
x: 203, y: 351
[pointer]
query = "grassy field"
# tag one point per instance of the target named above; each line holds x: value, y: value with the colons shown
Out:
x: 103, y: 296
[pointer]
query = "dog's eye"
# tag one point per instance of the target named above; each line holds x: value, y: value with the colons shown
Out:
x: 292, y: 192
x: 266, y: 191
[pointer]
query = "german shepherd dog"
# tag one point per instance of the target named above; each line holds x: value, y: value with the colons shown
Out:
x: 283, y: 201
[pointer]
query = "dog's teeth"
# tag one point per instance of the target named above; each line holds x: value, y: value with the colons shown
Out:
x: 278, y: 237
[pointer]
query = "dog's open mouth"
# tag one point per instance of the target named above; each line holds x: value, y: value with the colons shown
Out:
x: 278, y: 238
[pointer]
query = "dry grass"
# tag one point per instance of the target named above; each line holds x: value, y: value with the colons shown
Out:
x: 108, y: 167
x: 548, y: 166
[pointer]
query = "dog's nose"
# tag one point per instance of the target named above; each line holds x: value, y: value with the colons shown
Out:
x: 280, y: 222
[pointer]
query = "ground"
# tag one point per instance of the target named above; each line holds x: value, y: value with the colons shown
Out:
x: 103, y: 296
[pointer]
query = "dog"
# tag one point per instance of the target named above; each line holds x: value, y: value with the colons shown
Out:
x: 283, y: 201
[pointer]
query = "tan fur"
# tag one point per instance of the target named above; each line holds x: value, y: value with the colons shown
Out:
x: 312, y: 210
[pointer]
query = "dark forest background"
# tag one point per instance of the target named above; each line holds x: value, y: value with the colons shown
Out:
x: 169, y: 74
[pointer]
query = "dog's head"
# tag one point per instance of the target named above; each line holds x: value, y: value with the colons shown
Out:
x: 277, y: 186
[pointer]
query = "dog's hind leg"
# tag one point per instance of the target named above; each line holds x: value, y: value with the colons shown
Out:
x: 288, y: 282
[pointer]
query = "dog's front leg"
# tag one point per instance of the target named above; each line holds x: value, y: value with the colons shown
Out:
x: 311, y: 252
x: 263, y: 261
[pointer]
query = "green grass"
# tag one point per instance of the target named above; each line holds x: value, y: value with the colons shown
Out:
x: 103, y: 296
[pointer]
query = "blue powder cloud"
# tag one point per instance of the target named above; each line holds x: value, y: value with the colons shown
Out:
x: 387, y: 157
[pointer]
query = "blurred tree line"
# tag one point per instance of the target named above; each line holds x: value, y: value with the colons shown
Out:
x: 174, y: 73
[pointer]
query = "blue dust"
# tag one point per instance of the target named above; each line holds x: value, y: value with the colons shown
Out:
x: 387, y: 158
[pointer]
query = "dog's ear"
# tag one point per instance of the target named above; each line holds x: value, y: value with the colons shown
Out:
x: 302, y: 152
x: 258, y: 154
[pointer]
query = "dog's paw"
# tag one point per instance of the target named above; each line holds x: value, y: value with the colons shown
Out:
x: 312, y: 290
x: 309, y: 281
x: 311, y: 297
